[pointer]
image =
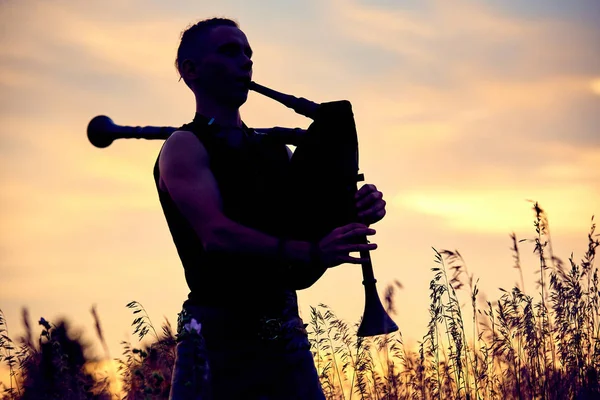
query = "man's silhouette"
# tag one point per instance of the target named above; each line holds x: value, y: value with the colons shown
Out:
x: 221, y: 187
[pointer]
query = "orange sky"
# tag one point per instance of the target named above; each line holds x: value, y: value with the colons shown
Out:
x: 464, y: 112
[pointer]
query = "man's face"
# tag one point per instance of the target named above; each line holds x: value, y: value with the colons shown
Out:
x: 225, y: 69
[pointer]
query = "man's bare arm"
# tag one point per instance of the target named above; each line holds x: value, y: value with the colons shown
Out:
x: 185, y: 172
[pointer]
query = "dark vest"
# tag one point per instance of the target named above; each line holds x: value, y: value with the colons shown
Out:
x: 250, y: 181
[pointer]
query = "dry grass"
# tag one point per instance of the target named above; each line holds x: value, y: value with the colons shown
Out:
x: 544, y: 345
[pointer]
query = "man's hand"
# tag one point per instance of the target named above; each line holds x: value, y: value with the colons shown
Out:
x: 370, y: 205
x: 335, y: 248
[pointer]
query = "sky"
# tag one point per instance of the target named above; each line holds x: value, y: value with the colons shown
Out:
x: 466, y: 111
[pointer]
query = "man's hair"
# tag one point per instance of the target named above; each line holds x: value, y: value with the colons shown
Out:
x: 193, y: 33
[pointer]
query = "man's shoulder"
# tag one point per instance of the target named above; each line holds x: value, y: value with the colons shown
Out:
x: 181, y: 134
x: 181, y: 145
x: 194, y: 132
x: 181, y: 152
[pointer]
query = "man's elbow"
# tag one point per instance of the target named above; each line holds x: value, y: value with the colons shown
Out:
x: 216, y: 237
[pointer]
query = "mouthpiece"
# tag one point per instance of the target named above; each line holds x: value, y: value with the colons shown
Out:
x: 299, y: 104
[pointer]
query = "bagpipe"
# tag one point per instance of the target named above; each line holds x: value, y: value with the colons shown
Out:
x: 324, y: 162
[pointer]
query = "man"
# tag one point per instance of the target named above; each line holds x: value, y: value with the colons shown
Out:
x: 221, y: 187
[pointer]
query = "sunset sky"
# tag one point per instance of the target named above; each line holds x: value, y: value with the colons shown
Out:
x: 465, y: 110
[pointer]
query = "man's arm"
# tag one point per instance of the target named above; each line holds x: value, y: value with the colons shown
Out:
x: 185, y: 172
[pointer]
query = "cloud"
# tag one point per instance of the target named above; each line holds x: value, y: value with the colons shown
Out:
x: 482, y: 110
x: 471, y: 34
x: 467, y: 87
x: 595, y: 86
x: 500, y: 209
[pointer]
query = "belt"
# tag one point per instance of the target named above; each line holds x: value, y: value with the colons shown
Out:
x: 263, y: 328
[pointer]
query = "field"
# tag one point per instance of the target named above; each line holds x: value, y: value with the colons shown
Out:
x: 543, y: 344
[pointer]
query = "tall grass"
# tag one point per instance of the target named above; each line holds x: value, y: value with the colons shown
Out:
x: 541, y: 343
x: 56, y: 366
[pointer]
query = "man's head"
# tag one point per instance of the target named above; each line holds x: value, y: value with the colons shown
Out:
x: 214, y: 60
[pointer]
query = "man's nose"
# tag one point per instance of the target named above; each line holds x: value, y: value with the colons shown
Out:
x: 247, y: 66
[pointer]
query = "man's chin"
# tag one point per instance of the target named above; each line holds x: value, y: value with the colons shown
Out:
x: 237, y: 99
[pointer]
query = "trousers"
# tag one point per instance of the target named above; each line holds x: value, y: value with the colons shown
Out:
x: 221, y: 355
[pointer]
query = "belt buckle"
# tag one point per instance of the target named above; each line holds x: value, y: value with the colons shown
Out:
x: 270, y: 328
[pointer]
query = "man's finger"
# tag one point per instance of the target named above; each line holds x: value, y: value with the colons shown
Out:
x: 350, y: 227
x: 365, y: 189
x: 369, y: 200
x: 353, y: 260
x: 360, y: 192
x: 375, y: 208
x: 362, y: 231
x: 347, y: 248
x: 372, y: 197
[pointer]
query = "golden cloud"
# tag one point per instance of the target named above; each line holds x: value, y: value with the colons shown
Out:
x: 595, y: 86
x: 501, y: 209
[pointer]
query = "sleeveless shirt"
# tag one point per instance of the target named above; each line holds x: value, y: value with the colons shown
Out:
x: 250, y: 181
